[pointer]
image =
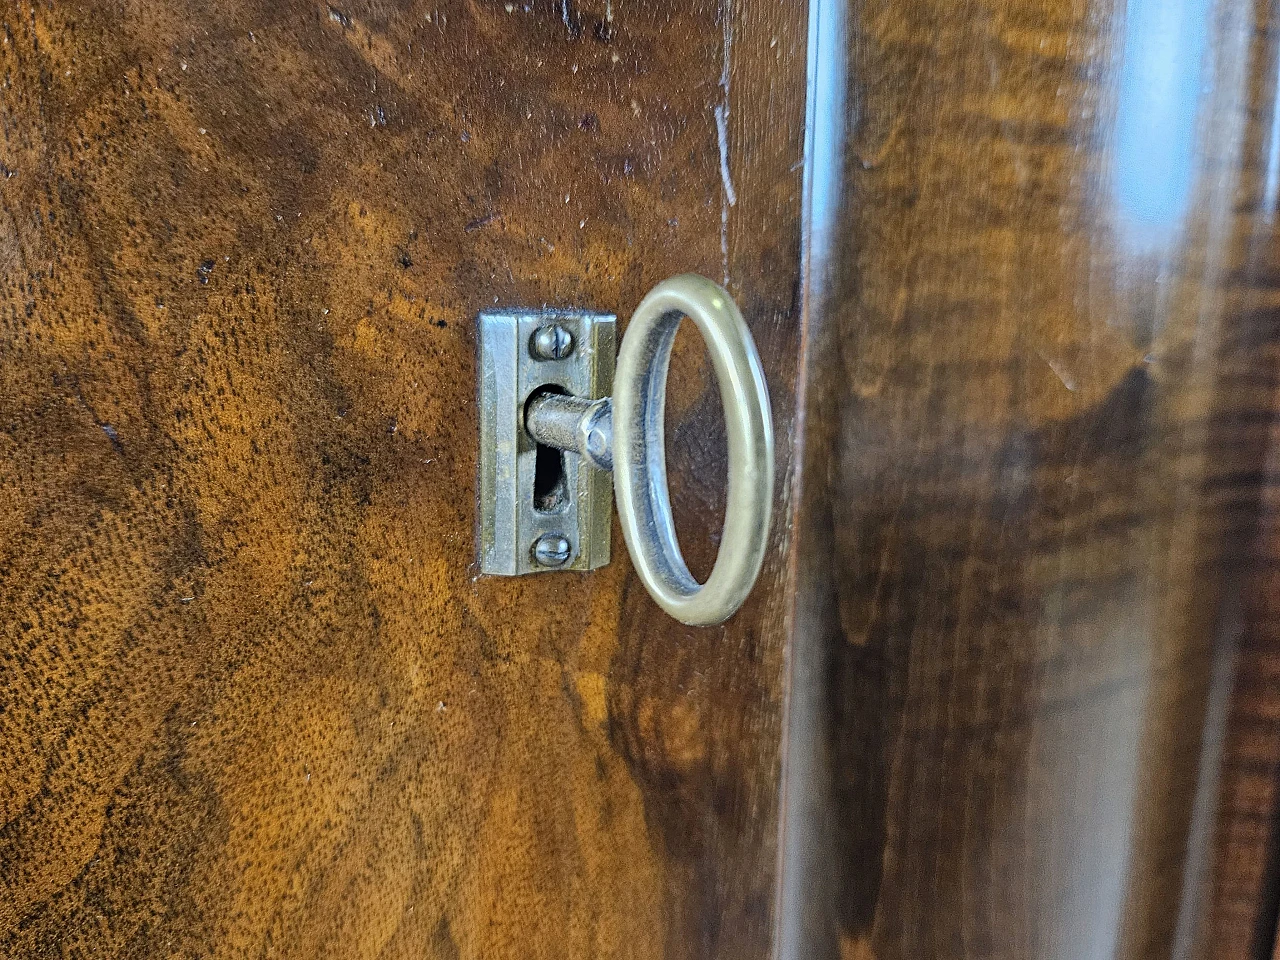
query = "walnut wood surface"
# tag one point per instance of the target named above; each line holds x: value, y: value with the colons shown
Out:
x: 1036, y: 642
x: 255, y: 699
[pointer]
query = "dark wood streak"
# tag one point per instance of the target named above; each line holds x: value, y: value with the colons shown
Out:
x: 1038, y: 550
x: 254, y: 699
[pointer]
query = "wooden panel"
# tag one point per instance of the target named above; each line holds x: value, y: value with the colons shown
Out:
x: 1035, y: 712
x: 254, y: 698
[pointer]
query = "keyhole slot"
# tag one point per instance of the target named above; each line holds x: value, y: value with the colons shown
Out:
x: 548, y: 479
x: 549, y: 484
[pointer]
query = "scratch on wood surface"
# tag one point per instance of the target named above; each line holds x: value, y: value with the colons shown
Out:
x: 722, y: 131
x: 721, y: 112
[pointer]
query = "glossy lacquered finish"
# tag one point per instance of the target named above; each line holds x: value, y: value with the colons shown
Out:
x: 256, y: 698
x: 1035, y: 710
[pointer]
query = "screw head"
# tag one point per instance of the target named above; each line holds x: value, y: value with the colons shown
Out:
x: 551, y: 550
x: 551, y: 341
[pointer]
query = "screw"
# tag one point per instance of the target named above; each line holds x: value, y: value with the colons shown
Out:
x: 551, y: 550
x: 551, y: 341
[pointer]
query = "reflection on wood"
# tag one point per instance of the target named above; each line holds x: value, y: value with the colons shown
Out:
x: 1036, y: 648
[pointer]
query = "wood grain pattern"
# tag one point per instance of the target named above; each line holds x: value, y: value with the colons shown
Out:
x: 1036, y: 639
x: 254, y: 698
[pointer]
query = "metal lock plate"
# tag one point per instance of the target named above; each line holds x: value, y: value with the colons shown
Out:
x: 537, y: 503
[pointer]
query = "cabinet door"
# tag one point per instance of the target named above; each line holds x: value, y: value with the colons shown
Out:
x: 1035, y: 712
x: 255, y: 698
